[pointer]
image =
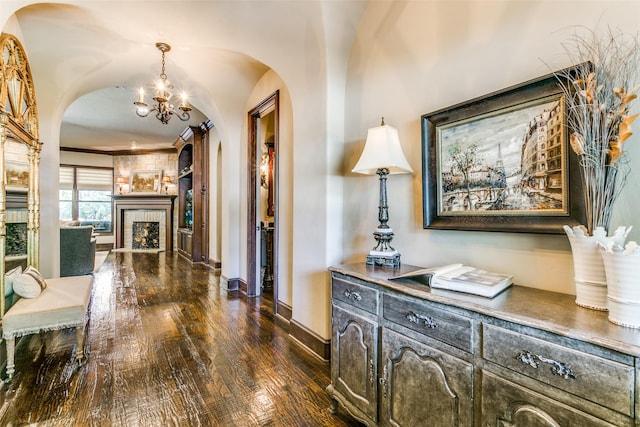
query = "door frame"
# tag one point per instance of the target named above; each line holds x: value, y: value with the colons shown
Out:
x: 268, y: 105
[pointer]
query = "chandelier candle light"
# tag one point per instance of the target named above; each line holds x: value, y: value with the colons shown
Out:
x: 382, y: 155
x: 163, y: 109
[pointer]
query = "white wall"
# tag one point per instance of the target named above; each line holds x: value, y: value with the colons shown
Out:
x: 86, y: 159
x: 215, y: 196
x: 412, y: 58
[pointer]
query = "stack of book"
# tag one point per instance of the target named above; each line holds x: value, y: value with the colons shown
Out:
x: 462, y: 278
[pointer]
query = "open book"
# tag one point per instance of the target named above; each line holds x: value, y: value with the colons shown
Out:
x: 461, y: 278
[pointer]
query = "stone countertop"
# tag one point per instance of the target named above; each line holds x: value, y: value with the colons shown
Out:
x: 550, y: 311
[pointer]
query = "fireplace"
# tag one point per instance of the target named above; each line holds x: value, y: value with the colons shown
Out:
x: 144, y: 209
x: 145, y: 235
x: 142, y: 220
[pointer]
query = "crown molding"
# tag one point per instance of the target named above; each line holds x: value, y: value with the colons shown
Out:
x: 119, y: 152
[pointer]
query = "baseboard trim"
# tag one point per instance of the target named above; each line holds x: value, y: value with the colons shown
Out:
x: 104, y: 246
x: 231, y: 284
x: 284, y: 310
x: 216, y: 265
x: 309, y: 339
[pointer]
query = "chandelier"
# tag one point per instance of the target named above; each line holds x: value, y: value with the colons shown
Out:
x: 163, y: 109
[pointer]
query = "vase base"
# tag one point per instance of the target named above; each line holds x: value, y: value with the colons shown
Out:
x: 592, y: 306
x: 624, y: 313
x: 627, y: 325
x: 591, y: 294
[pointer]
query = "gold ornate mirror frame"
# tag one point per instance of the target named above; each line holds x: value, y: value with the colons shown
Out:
x: 18, y: 124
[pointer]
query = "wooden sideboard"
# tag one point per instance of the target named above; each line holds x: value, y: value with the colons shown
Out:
x: 405, y: 355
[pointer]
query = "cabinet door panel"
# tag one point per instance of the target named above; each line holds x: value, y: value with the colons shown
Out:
x: 423, y: 386
x: 354, y: 364
x: 506, y: 404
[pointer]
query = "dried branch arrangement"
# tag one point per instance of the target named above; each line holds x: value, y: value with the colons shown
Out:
x: 598, y: 97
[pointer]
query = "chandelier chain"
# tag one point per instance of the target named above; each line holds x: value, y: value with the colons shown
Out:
x: 163, y: 109
x: 163, y: 76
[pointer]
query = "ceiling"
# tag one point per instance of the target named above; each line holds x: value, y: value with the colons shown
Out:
x: 89, y: 57
x: 88, y: 60
x: 105, y: 120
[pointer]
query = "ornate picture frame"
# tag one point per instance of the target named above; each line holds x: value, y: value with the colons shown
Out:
x: 502, y: 162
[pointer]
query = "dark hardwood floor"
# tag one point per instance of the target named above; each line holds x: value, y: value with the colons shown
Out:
x: 167, y: 347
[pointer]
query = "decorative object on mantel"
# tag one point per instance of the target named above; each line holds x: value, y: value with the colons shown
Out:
x: 622, y: 267
x: 121, y: 180
x: 166, y: 180
x: 145, y: 181
x: 383, y: 156
x: 163, y: 109
x: 588, y: 269
x: 603, y: 87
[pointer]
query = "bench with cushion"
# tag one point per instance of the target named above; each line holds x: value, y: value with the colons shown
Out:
x: 61, y: 304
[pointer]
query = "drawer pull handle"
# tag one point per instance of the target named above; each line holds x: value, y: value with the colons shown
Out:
x: 416, y: 318
x: 557, y: 368
x: 352, y: 295
x: 383, y: 381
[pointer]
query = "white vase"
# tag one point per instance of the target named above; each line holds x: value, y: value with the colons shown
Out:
x: 622, y: 269
x: 588, y: 267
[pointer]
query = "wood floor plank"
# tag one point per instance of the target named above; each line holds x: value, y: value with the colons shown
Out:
x: 166, y: 346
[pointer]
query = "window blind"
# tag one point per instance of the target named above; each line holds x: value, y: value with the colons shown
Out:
x: 94, y: 179
x: 66, y: 178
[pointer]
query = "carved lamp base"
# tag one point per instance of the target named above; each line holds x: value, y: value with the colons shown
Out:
x: 389, y: 260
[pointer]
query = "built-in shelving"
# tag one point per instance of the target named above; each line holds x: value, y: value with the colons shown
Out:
x: 193, y: 173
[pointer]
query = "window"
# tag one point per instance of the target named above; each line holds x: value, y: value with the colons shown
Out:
x: 85, y: 195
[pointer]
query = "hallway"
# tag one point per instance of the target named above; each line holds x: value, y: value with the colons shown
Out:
x: 167, y: 347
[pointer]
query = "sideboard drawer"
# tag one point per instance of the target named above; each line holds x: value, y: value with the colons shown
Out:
x: 425, y: 318
x: 356, y: 295
x: 602, y: 381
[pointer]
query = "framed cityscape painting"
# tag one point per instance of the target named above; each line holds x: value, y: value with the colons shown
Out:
x: 502, y: 163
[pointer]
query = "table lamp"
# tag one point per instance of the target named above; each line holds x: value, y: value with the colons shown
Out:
x: 166, y: 180
x: 382, y: 155
x: 120, y: 180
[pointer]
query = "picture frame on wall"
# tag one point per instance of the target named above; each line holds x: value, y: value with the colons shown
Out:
x: 502, y: 162
x: 145, y: 181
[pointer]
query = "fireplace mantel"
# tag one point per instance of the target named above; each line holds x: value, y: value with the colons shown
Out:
x: 125, y: 202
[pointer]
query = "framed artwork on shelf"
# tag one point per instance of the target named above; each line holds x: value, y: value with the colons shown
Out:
x: 16, y: 176
x: 145, y: 181
x: 502, y: 162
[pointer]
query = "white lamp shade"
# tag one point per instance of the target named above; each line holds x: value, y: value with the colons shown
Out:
x: 382, y: 150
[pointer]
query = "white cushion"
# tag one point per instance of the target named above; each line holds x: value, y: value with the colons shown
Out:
x: 8, y: 280
x: 62, y: 304
x: 27, y: 285
x: 37, y: 276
